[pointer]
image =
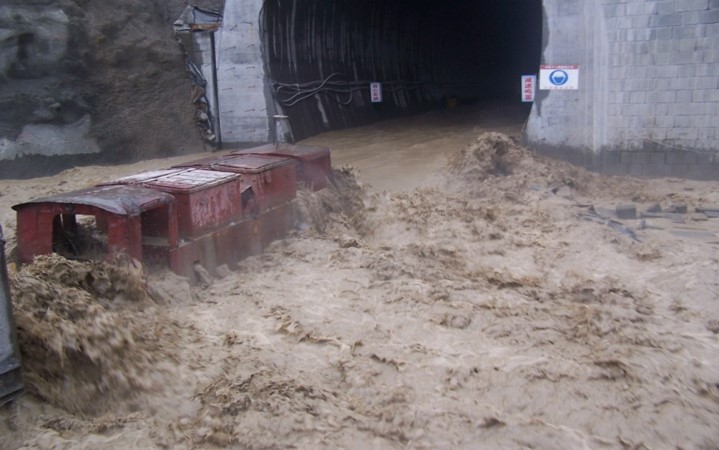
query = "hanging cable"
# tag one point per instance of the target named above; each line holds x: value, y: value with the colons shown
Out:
x: 290, y: 94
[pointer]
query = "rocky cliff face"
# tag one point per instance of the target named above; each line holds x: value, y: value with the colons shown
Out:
x: 85, y: 81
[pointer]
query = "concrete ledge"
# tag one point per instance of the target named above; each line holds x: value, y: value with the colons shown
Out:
x: 687, y: 164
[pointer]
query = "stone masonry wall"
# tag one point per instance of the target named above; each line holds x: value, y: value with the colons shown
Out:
x: 664, y: 83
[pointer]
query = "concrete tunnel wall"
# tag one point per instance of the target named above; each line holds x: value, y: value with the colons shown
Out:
x: 422, y: 51
x: 648, y: 98
x: 648, y: 95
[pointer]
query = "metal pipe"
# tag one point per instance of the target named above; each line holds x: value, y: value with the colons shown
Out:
x: 216, y: 112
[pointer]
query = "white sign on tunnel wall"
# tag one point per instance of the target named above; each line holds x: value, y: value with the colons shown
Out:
x: 529, y: 87
x: 375, y: 92
x: 559, y: 77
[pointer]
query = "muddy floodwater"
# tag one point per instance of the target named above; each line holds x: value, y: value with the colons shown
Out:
x: 451, y: 290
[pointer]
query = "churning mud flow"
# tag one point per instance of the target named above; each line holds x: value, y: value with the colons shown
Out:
x: 451, y: 290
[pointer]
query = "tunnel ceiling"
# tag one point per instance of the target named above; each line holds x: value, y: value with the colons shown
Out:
x: 322, y: 54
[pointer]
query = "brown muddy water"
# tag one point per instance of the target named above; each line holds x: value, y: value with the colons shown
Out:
x: 453, y: 290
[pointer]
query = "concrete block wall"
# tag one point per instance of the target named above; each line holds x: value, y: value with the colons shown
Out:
x: 648, y: 102
x: 243, y: 95
x: 663, y: 73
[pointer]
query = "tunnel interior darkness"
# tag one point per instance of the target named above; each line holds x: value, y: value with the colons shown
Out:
x: 321, y: 56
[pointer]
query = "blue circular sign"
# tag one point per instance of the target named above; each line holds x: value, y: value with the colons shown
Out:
x: 558, y: 77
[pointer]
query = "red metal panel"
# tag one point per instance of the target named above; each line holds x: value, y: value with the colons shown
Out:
x: 227, y: 245
x: 248, y: 237
x: 39, y: 224
x: 124, y: 234
x: 34, y: 233
x: 236, y: 242
x: 205, y: 253
x: 182, y: 260
x: 276, y: 223
x: 204, y: 199
x: 118, y: 211
x: 272, y: 178
x: 159, y: 235
x: 314, y: 164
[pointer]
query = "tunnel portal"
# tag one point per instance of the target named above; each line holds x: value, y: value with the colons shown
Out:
x: 321, y: 56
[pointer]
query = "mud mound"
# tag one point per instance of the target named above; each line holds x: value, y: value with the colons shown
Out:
x: 496, y: 165
x: 491, y: 154
x: 88, y: 331
x: 341, y: 204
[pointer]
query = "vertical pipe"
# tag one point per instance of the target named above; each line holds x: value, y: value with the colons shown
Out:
x: 216, y: 112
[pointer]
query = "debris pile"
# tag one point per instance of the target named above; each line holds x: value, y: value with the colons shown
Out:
x: 342, y: 204
x: 89, y: 332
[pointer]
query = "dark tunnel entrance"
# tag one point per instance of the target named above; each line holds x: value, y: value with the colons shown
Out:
x: 321, y: 56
